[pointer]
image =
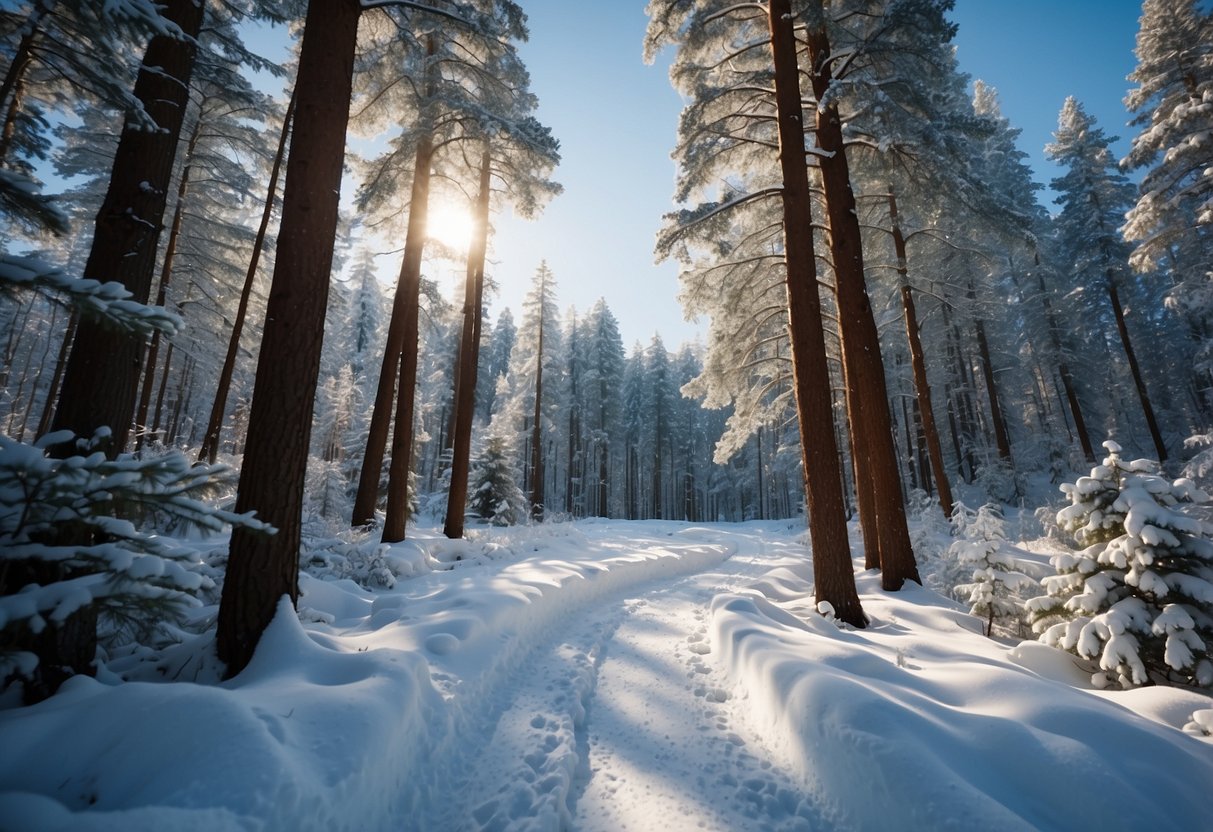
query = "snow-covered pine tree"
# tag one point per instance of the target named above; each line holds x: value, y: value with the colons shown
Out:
x: 730, y: 134
x: 100, y: 381
x: 1094, y: 196
x: 656, y: 448
x: 1139, y: 597
x: 602, y: 409
x: 494, y: 363
x: 116, y: 577
x: 47, y: 75
x: 1173, y: 104
x: 1171, y: 222
x: 525, y: 415
x: 993, y: 576
x: 493, y: 493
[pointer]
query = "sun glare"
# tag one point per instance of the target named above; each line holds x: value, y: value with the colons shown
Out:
x: 450, y: 226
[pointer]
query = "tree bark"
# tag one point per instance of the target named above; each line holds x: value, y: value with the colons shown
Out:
x: 1001, y: 439
x: 166, y: 276
x: 536, y: 422
x: 408, y: 302
x: 1063, y: 369
x: 385, y: 392
x: 214, y: 424
x: 922, y: 387
x: 52, y: 393
x: 101, y: 381
x: 263, y: 568
x: 833, y: 571
x: 469, y: 359
x: 14, y: 76
x: 1138, y: 382
x: 101, y: 377
x: 867, y: 399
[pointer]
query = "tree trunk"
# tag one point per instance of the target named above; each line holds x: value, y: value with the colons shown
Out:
x: 469, y: 358
x: 407, y: 302
x: 262, y: 568
x: 922, y: 387
x: 832, y: 568
x: 52, y: 393
x: 166, y: 276
x: 101, y: 377
x: 214, y: 424
x: 385, y: 391
x: 961, y: 399
x: 1138, y: 382
x: 1063, y: 368
x: 162, y: 392
x: 101, y: 381
x: 867, y: 399
x: 14, y: 77
x: 987, y: 373
x: 537, y: 424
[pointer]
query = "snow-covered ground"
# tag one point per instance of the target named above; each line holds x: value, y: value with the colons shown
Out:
x: 610, y: 676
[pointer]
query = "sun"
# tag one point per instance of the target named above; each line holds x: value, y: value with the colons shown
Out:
x: 450, y: 226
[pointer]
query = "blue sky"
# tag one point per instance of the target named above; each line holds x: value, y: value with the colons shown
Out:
x: 616, y: 117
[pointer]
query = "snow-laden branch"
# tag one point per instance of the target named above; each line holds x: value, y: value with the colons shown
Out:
x: 107, y: 302
x: 421, y: 7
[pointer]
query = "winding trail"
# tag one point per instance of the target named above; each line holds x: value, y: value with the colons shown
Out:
x: 619, y: 720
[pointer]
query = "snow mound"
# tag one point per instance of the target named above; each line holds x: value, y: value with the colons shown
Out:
x: 921, y: 719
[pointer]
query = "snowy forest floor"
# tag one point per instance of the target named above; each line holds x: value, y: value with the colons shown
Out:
x: 607, y: 675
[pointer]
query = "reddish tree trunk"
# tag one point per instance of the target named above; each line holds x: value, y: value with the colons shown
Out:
x: 1063, y: 369
x: 397, y: 338
x: 166, y: 276
x: 408, y: 302
x: 469, y: 359
x: 52, y: 393
x: 14, y: 77
x: 537, y: 472
x: 214, y: 424
x: 867, y: 400
x: 1001, y: 438
x: 922, y: 387
x: 101, y: 381
x: 263, y: 568
x: 832, y: 568
x: 1134, y: 369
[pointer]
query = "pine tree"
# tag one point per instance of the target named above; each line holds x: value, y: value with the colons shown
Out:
x: 1139, y: 597
x: 992, y: 573
x: 495, y: 363
x: 1094, y: 195
x: 102, y: 374
x: 493, y: 492
x: 263, y: 569
x: 1173, y: 103
x: 525, y: 418
x: 1171, y: 222
x: 601, y: 408
x: 728, y: 129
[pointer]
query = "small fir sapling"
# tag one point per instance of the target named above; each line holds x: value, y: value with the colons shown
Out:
x: 494, y: 495
x: 945, y: 572
x: 138, y: 582
x: 994, y: 579
x: 929, y: 532
x: 1139, y: 597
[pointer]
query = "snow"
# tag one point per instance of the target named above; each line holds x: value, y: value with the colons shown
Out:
x: 109, y: 302
x: 607, y: 675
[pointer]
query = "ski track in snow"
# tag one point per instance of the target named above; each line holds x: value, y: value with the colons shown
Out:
x: 570, y: 737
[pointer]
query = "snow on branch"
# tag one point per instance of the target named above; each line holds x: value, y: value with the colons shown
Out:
x: 107, y: 302
x: 421, y: 7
